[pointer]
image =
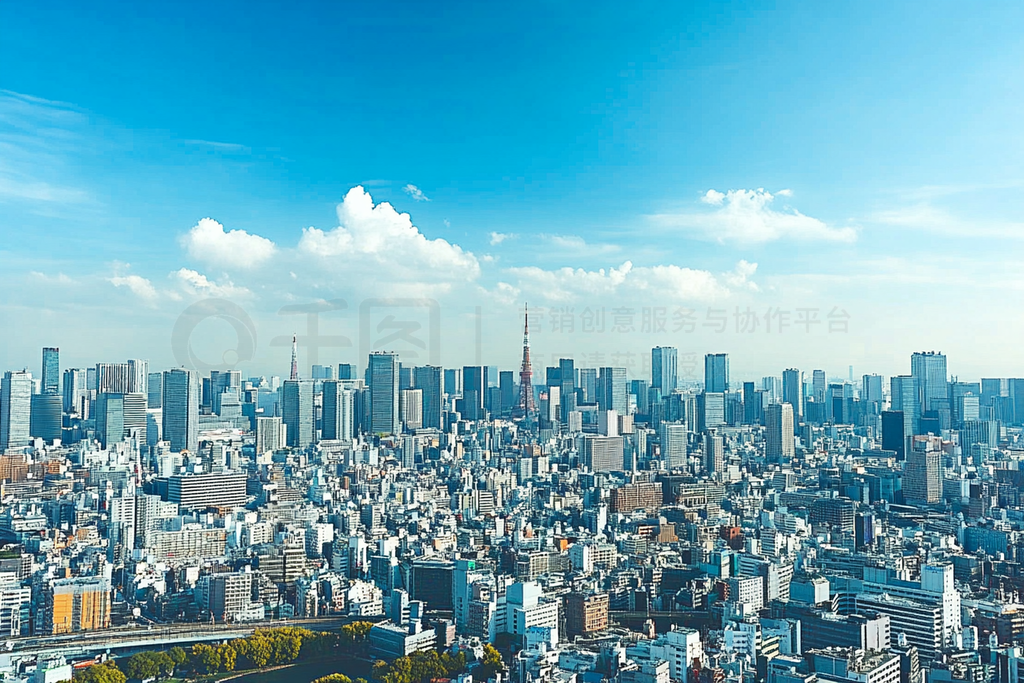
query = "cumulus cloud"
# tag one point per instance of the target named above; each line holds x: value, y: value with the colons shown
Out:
x: 380, y: 235
x: 416, y: 193
x: 193, y: 282
x: 499, y: 237
x: 668, y: 282
x: 748, y: 217
x: 138, y: 285
x: 207, y: 241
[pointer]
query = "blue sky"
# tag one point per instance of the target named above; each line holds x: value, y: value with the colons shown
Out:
x: 865, y: 156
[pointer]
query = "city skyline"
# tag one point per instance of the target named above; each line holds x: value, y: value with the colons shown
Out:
x: 689, y: 183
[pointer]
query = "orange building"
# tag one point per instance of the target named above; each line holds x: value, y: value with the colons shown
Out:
x: 79, y: 604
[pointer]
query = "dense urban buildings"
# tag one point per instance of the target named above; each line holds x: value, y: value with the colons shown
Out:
x: 775, y: 529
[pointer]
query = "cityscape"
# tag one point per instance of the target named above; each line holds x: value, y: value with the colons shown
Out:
x: 536, y: 342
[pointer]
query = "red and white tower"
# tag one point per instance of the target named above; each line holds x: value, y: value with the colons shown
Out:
x: 526, y: 406
x: 295, y: 357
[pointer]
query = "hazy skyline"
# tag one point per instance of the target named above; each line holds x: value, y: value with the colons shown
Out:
x: 858, y: 158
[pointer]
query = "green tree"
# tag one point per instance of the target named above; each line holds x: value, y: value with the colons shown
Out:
x: 206, y: 658
x: 333, y: 678
x: 228, y: 656
x: 100, y: 673
x: 142, y: 665
x: 491, y: 664
x: 178, y: 655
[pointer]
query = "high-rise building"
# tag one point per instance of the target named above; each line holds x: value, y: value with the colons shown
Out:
x: 297, y: 411
x: 751, y: 407
x: 871, y: 389
x: 507, y: 391
x: 779, y: 432
x: 603, y: 453
x: 180, y: 406
x: 51, y: 371
x: 793, y: 392
x: 346, y: 371
x: 612, y: 393
x: 664, y: 368
x: 673, y: 437
x: 138, y: 376
x: 929, y: 371
x: 155, y: 395
x: 322, y: 372
x: 428, y: 379
x: 474, y: 383
x: 410, y: 408
x: 383, y: 371
x: 894, y: 436
x: 710, y: 410
x: 109, y: 415
x: 819, y: 386
x: 76, y: 393
x: 222, y: 382
x: 338, y: 421
x: 588, y: 384
x: 77, y: 604
x: 15, y: 409
x: 45, y: 418
x: 567, y: 385
x: 716, y: 372
x: 904, y: 397
x: 270, y: 434
x: 922, y: 473
x: 714, y: 452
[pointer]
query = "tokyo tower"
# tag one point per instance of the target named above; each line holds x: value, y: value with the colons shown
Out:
x: 526, y: 406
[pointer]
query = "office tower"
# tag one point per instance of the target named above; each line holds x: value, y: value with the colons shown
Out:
x: 978, y: 432
x: 818, y: 386
x: 76, y: 394
x: 750, y: 408
x: 1015, y: 390
x: 611, y: 390
x: 710, y: 410
x: 474, y: 381
x: 894, y: 435
x: 793, y: 392
x: 45, y: 417
x: 135, y: 422
x: 453, y: 382
x: 714, y: 452
x: 180, y: 406
x: 904, y: 396
x: 383, y: 371
x: 673, y: 437
x: 603, y: 453
x: 716, y: 373
x: 109, y: 419
x: 428, y: 378
x: 221, y: 383
x: 507, y: 391
x: 155, y: 395
x: 922, y: 476
x: 338, y: 416
x: 15, y: 409
x: 270, y: 434
x: 76, y: 604
x: 641, y: 391
x: 871, y: 389
x: 297, y: 411
x: 779, y: 433
x: 51, y: 371
x: 664, y: 368
x: 404, y: 378
x: 588, y: 384
x: 138, y: 376
x: 323, y: 372
x: 410, y: 408
x: 991, y: 389
x: 346, y: 371
x: 112, y: 378
x: 929, y: 372
x: 567, y: 395
x: 771, y: 387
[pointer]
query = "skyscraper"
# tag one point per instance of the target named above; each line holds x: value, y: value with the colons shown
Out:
x: 180, y: 406
x: 297, y: 411
x: 714, y: 452
x: 818, y: 386
x: 673, y: 436
x: 664, y: 369
x: 51, y: 371
x: 507, y: 391
x: 155, y: 395
x: 894, y: 438
x: 15, y: 409
x: 474, y: 383
x: 751, y: 407
x: 567, y: 384
x: 346, y: 371
x: 779, y: 433
x: 109, y: 419
x: 428, y: 379
x: 45, y: 420
x: 922, y: 476
x: 222, y: 382
x: 929, y: 372
x: 871, y: 389
x: 710, y: 410
x: 716, y: 372
x: 76, y: 394
x: 904, y: 397
x: 138, y: 376
x: 793, y: 392
x: 612, y: 392
x: 383, y: 372
x: 338, y: 417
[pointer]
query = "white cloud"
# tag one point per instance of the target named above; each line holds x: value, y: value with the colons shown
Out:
x: 416, y: 193
x: 207, y: 241
x: 929, y: 218
x: 578, y: 246
x: 661, y: 282
x: 138, y: 285
x: 381, y: 236
x: 747, y: 217
x: 193, y: 282
x: 499, y: 237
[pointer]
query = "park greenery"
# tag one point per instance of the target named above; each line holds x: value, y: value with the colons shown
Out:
x: 265, y: 647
